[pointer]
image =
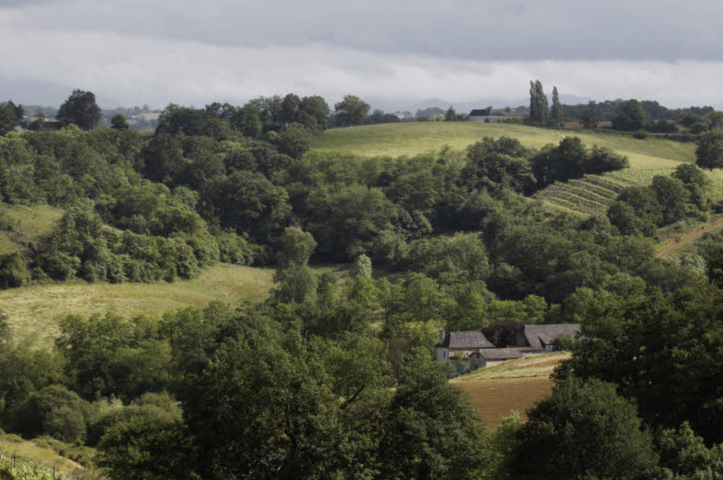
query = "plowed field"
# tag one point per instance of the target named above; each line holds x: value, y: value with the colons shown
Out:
x: 496, y: 399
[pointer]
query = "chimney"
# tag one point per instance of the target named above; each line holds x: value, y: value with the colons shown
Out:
x: 441, y: 335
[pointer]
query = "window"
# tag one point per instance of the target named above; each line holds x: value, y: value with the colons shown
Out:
x: 444, y: 354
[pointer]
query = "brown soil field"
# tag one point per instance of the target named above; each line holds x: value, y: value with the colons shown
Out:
x: 496, y: 399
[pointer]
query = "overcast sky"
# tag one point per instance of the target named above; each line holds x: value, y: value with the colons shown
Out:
x: 393, y: 52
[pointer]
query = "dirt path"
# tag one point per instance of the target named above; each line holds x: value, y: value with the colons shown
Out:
x: 669, y: 248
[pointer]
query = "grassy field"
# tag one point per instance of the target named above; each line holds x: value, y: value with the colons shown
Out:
x: 29, y: 224
x: 512, y: 386
x: 34, y: 311
x: 589, y: 195
x: 397, y: 139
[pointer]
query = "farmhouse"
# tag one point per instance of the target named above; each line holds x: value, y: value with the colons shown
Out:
x: 49, y: 126
x: 506, y: 342
x: 491, y: 115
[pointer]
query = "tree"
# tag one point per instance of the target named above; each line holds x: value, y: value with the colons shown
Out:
x: 316, y: 108
x: 351, y: 111
x: 10, y: 116
x: 451, y: 115
x: 296, y: 283
x: 80, y: 108
x: 556, y: 113
x: 290, y: 109
x: 590, y: 116
x: 248, y: 120
x: 431, y: 429
x: 709, y: 153
x: 146, y: 444
x: 293, y: 139
x: 362, y: 267
x: 631, y: 117
x: 119, y: 122
x: 584, y: 430
x: 13, y: 271
x: 289, y: 407
x: 539, y: 109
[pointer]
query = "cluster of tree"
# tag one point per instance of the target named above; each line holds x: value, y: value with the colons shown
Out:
x: 642, y: 210
x: 540, y: 112
x: 283, y: 388
x: 11, y: 115
x: 609, y: 109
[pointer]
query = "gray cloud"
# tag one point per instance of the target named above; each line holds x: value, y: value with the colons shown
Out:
x: 157, y: 51
x: 472, y: 29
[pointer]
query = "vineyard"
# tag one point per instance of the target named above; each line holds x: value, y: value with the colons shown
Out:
x: 17, y: 468
x: 594, y: 193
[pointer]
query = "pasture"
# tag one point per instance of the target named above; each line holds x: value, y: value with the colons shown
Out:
x: 589, y: 195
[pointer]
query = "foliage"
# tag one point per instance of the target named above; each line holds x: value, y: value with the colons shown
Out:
x: 584, y: 430
x: 80, y: 109
x: 539, y: 108
x: 709, y: 153
x: 661, y: 349
x: 630, y: 118
x: 119, y: 122
x: 351, y: 111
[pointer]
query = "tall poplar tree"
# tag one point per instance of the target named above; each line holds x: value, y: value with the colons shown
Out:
x: 556, y: 114
x: 539, y: 108
x: 534, y: 103
x: 543, y: 107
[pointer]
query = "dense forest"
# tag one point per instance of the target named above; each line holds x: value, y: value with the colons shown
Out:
x: 336, y: 379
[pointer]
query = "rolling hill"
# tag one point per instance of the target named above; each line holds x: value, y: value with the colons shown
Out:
x: 589, y: 195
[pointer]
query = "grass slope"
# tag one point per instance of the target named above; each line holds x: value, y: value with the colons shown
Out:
x: 397, y: 139
x: 589, y: 195
x: 31, y: 453
x: 537, y: 366
x: 30, y: 223
x: 34, y: 311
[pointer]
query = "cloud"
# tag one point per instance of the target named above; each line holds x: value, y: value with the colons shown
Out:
x: 482, y: 30
x: 155, y: 52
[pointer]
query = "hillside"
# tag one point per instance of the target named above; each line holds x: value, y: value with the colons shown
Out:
x: 28, y: 224
x: 589, y: 195
x: 34, y: 311
x: 414, y: 138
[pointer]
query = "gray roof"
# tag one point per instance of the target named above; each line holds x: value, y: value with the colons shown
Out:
x: 540, y: 335
x: 466, y: 341
x: 502, y: 353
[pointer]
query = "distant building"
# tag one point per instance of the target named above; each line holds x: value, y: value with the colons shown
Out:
x: 513, y: 341
x: 491, y: 115
x: 49, y: 126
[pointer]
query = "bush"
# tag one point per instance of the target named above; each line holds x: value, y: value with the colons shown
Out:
x: 53, y: 411
x: 13, y: 271
x: 640, y: 135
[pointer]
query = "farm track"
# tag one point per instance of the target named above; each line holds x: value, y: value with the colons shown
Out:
x: 673, y: 246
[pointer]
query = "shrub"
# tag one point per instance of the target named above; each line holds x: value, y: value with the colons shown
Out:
x: 13, y: 271
x: 640, y: 134
x: 53, y: 411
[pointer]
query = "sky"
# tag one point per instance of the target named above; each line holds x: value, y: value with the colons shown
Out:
x: 394, y: 53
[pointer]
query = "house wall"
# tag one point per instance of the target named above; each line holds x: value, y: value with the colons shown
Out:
x: 493, y: 118
x: 442, y: 355
x: 492, y: 363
